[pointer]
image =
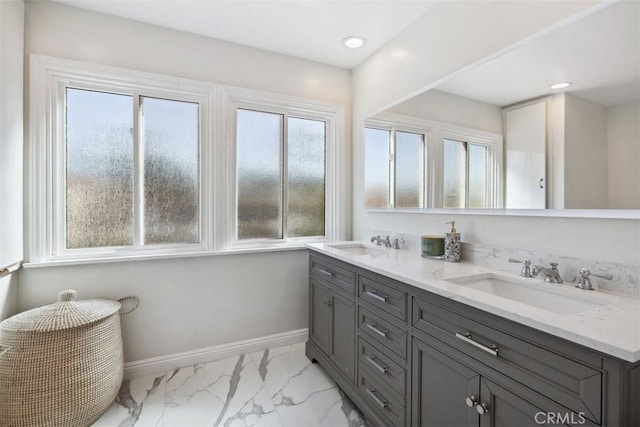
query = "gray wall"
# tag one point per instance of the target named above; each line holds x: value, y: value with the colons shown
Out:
x: 623, y: 134
x: 187, y: 303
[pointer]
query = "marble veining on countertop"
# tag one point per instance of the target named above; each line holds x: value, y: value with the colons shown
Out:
x: 610, y: 325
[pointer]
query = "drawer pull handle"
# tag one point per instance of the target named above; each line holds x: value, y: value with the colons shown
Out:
x: 467, y: 338
x: 378, y: 366
x: 375, y: 329
x: 374, y: 294
x: 328, y: 302
x: 372, y: 393
x: 323, y: 271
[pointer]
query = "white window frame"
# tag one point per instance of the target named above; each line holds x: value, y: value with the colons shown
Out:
x: 492, y: 141
x: 50, y: 77
x: 398, y: 123
x: 435, y: 132
x: 333, y: 116
x: 45, y: 239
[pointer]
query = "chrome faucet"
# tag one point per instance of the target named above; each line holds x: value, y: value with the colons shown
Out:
x: 396, y: 243
x: 379, y: 241
x: 551, y: 275
x: 585, y: 283
x: 526, y: 267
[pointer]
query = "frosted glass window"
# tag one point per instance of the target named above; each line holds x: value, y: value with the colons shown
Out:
x: 171, y: 169
x: 259, y: 174
x: 376, y: 171
x: 99, y: 169
x: 306, y: 140
x: 478, y: 161
x: 409, y: 170
x: 455, y: 174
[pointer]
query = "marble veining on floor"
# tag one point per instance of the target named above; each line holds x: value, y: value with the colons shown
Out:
x: 277, y: 387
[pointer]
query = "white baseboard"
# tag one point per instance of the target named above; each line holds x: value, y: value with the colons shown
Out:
x: 157, y: 365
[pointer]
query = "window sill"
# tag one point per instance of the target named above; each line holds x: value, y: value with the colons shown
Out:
x: 148, y: 257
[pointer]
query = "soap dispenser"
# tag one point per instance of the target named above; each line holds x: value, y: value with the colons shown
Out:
x: 452, y: 244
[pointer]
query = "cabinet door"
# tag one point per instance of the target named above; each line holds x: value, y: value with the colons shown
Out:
x: 343, y: 335
x: 506, y: 409
x: 441, y: 386
x: 320, y: 316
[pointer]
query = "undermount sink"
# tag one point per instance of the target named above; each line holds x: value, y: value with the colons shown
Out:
x: 358, y: 248
x: 528, y: 293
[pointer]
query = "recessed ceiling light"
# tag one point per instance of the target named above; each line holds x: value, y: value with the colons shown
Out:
x: 561, y: 85
x: 354, y: 42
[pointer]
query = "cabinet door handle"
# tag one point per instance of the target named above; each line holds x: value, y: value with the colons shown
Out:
x: 328, y: 302
x: 374, y: 294
x: 376, y: 365
x: 482, y: 408
x: 323, y: 271
x: 467, y: 338
x: 471, y: 401
x: 372, y: 393
x: 540, y: 183
x: 375, y: 329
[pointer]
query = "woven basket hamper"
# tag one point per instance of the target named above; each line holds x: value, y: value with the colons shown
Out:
x: 61, y: 364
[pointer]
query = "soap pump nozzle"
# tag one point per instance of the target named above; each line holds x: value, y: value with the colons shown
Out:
x: 453, y: 226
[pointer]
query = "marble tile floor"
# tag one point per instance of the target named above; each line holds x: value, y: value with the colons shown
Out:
x: 278, y: 387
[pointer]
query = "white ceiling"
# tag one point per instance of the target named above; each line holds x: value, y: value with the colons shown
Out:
x: 309, y: 29
x: 600, y: 54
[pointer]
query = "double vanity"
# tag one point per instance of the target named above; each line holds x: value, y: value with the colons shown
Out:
x: 421, y: 342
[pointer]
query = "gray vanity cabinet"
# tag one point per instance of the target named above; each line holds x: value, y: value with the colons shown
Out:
x: 449, y: 393
x: 342, y: 347
x: 332, y: 314
x: 408, y: 357
x: 320, y: 313
x: 440, y: 386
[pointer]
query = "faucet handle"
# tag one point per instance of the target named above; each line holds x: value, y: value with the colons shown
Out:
x: 554, y: 265
x: 526, y: 267
x: 585, y: 282
x: 396, y: 243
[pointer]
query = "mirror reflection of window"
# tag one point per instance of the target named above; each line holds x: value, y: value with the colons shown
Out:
x: 465, y: 175
x: 417, y: 163
x: 394, y: 168
x: 377, y: 168
x: 409, y: 155
x: 478, y: 164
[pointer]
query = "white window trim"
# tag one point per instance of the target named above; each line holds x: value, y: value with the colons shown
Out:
x: 435, y: 132
x: 333, y: 115
x: 216, y: 152
x: 399, y: 123
x: 492, y: 141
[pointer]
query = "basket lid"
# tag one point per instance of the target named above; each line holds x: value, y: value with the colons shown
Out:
x: 67, y: 313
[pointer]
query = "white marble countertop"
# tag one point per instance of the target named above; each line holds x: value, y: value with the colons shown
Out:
x: 610, y: 323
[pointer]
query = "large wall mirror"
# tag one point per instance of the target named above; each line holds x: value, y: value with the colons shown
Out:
x: 498, y: 136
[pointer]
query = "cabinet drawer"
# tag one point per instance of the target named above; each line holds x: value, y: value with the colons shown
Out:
x: 333, y: 274
x: 382, y: 366
x: 383, y: 331
x: 392, y: 301
x: 568, y: 382
x: 381, y: 398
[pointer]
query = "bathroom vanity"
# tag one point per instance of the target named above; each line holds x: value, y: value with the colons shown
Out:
x: 422, y: 342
